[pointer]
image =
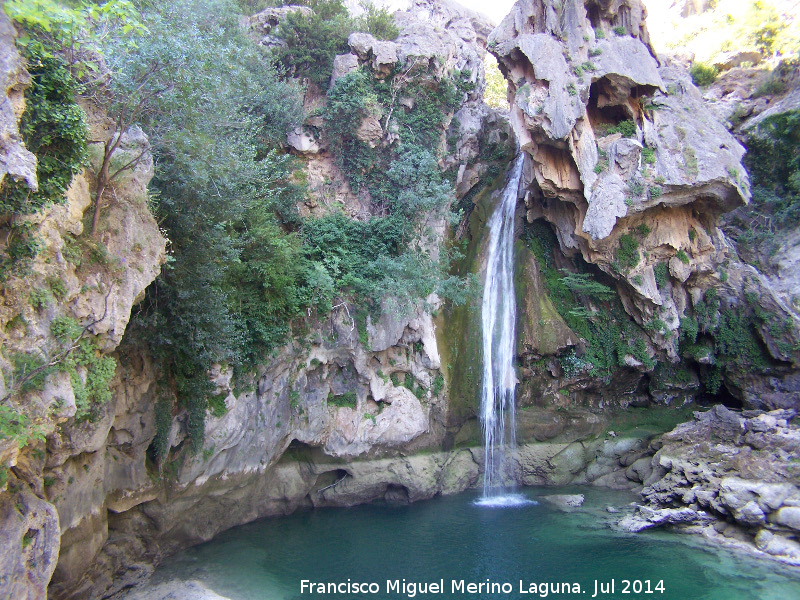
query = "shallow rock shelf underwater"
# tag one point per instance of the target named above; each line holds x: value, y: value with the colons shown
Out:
x: 453, y: 538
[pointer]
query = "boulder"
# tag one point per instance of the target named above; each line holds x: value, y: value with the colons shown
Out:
x: 789, y: 516
x: 729, y: 60
x: 361, y: 44
x: 342, y: 65
x: 648, y: 518
x: 303, y: 141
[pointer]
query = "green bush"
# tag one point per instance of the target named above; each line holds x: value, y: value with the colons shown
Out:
x: 703, y: 74
x: 347, y: 399
x: 312, y: 41
x: 99, y: 369
x: 661, y: 271
x: 39, y: 298
x: 627, y: 254
x: 689, y: 329
x: 682, y: 256
x: 636, y: 188
x: 377, y: 21
x: 53, y: 127
x: 620, y: 30
x: 648, y: 156
x: 13, y: 424
x: 58, y: 287
x: 438, y: 384
x: 65, y: 329
x: 584, y: 283
x: 626, y: 128
x: 163, y: 420
x: 217, y: 406
x: 773, y: 161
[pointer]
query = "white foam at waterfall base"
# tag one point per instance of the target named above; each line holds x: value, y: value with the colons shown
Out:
x: 504, y: 501
x: 498, y: 320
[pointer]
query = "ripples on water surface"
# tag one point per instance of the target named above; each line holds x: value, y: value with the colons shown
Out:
x: 457, y: 537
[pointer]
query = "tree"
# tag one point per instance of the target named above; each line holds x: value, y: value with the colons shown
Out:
x: 312, y: 41
x: 763, y: 24
x: 77, y: 36
x: 222, y: 193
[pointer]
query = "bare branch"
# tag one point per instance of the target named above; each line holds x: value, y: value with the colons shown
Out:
x: 60, y: 356
x: 352, y: 320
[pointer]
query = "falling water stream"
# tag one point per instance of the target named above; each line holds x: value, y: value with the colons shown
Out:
x: 498, y: 317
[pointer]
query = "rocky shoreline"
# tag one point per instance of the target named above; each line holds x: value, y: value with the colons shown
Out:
x: 732, y: 478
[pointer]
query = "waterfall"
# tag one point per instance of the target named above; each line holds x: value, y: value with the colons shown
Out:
x: 498, y: 317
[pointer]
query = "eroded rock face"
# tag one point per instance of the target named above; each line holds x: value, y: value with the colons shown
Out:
x: 623, y: 152
x: 731, y: 476
x: 334, y: 419
x: 445, y: 35
x: 29, y: 535
x: 57, y: 494
x: 15, y: 160
x: 572, y: 78
x: 331, y: 421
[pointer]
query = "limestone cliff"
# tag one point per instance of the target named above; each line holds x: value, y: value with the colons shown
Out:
x: 71, y: 307
x: 628, y: 160
x: 626, y: 175
x: 331, y: 419
x: 631, y: 171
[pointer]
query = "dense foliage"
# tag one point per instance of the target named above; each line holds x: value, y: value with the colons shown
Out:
x: 496, y: 91
x: 773, y: 161
x: 244, y: 265
x: 53, y: 127
x: 590, y: 309
x: 717, y: 340
x: 234, y: 280
x: 404, y: 181
x: 702, y: 74
x: 312, y: 41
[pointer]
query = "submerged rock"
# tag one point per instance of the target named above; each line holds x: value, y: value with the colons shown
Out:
x: 647, y: 518
x: 564, y: 501
x: 173, y: 590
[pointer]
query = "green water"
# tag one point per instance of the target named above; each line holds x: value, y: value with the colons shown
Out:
x: 451, y: 538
